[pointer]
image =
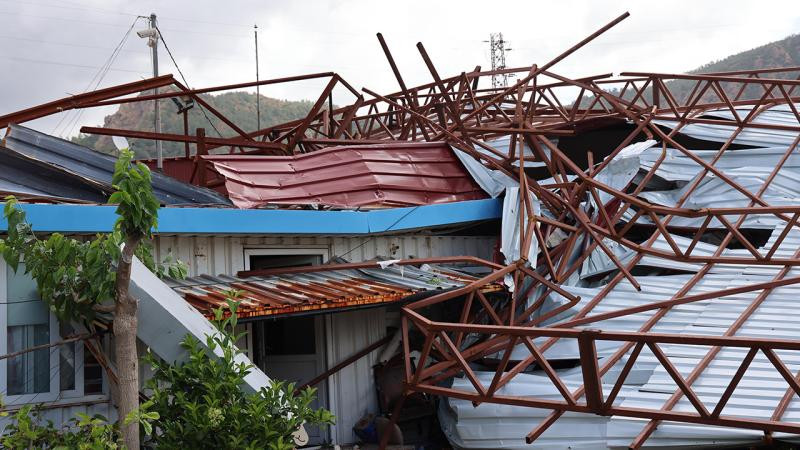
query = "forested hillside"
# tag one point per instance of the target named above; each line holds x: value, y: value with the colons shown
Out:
x: 240, y: 107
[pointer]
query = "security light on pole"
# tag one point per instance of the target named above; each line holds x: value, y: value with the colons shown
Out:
x: 152, y: 36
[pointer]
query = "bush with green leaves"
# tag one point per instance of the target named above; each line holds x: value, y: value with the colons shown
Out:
x: 201, y: 403
x: 28, y: 430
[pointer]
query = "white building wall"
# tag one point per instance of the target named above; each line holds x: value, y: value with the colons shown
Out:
x: 225, y: 255
x: 351, y: 392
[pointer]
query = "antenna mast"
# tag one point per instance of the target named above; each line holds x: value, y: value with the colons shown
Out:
x: 258, y: 89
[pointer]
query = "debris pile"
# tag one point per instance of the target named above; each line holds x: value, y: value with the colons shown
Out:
x: 650, y: 241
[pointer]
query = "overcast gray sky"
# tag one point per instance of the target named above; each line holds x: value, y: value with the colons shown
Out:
x: 53, y: 48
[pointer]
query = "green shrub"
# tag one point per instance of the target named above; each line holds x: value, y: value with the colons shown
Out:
x: 28, y: 430
x: 201, y: 404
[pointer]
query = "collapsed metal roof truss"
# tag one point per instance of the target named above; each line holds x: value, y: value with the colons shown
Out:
x: 570, y: 218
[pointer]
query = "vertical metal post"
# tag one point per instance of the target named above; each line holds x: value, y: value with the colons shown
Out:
x: 153, y: 43
x: 258, y: 88
x: 329, y: 128
x: 186, y: 131
x: 591, y: 374
x: 201, y: 150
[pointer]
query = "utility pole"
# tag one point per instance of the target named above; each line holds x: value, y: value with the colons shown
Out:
x: 152, y: 41
x: 258, y: 90
x: 497, y: 49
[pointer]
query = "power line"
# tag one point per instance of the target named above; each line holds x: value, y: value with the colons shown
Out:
x: 116, y: 25
x: 382, y: 231
x: 55, y: 63
x: 97, y: 79
x: 96, y: 47
x: 77, y: 8
x: 123, y: 13
x: 21, y: 301
x: 180, y: 72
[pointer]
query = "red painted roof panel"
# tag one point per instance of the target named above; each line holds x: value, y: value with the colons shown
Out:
x: 381, y: 175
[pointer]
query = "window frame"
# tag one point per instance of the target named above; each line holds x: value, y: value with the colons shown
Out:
x: 284, y: 251
x: 54, y: 394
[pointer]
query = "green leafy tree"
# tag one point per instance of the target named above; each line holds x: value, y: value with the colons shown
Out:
x: 81, y: 280
x: 201, y: 404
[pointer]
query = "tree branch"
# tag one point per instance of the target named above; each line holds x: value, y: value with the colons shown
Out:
x: 104, y: 308
x: 78, y: 337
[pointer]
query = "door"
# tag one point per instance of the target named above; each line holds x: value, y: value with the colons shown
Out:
x: 293, y: 352
x: 291, y: 349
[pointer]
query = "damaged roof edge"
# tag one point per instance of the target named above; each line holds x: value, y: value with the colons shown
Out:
x: 101, y: 218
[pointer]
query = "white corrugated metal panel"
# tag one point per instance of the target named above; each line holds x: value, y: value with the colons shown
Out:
x: 762, y: 386
x: 493, y: 426
x: 649, y: 385
x: 598, y: 262
x: 757, y: 137
x: 676, y: 166
x: 713, y: 192
x: 225, y: 255
x: 758, y: 393
x: 621, y: 170
x: 352, y: 389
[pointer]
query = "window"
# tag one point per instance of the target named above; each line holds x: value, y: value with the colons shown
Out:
x: 290, y: 336
x: 47, y: 374
x: 270, y: 258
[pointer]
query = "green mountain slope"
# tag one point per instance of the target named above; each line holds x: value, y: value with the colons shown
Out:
x: 239, y: 107
x: 782, y: 53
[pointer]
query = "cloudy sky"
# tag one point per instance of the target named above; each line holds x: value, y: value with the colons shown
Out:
x: 53, y: 48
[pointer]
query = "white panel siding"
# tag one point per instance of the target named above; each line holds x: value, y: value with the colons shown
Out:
x: 352, y: 389
x: 225, y: 255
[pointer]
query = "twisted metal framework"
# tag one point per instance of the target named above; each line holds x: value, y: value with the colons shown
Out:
x: 532, y: 115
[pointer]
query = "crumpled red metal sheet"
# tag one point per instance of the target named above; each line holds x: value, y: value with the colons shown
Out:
x: 380, y: 175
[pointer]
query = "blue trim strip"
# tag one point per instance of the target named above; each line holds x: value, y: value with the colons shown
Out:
x: 100, y: 219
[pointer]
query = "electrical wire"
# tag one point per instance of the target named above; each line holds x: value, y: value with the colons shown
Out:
x: 94, y: 83
x: 383, y: 231
x: 97, y: 47
x: 180, y: 72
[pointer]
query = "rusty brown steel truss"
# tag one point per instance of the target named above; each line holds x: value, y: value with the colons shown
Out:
x: 532, y: 115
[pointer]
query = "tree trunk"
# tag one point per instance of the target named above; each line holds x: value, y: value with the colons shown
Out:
x: 125, y: 325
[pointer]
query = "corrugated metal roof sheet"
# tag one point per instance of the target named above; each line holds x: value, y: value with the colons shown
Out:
x: 94, y: 168
x: 381, y: 175
x: 320, y: 290
x: 26, y: 179
x: 649, y: 385
x: 757, y: 137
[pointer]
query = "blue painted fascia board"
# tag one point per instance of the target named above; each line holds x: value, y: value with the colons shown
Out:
x: 64, y: 218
